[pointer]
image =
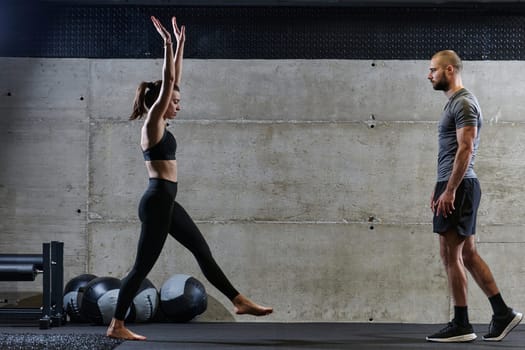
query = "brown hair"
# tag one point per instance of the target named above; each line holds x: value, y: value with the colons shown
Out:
x: 447, y: 57
x: 145, y: 96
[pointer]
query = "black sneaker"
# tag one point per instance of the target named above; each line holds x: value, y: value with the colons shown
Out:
x: 454, y: 333
x: 500, y: 326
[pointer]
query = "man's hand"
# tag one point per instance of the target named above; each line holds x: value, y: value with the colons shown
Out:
x: 445, y: 203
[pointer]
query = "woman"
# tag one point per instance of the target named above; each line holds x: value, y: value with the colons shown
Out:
x: 158, y: 211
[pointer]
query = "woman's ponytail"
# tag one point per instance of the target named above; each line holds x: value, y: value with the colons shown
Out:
x: 146, y: 94
x: 139, y: 109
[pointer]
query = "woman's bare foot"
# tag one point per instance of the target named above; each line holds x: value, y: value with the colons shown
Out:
x: 243, y: 305
x: 117, y: 330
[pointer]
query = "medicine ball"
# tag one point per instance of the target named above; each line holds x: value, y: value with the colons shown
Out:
x: 182, y: 297
x: 145, y: 303
x: 100, y: 300
x: 73, y: 296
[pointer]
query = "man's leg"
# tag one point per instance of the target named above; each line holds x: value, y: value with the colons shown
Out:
x: 459, y: 329
x: 478, y: 268
x: 451, y: 246
x: 504, y: 318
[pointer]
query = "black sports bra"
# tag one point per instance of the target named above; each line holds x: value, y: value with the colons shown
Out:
x: 164, y: 150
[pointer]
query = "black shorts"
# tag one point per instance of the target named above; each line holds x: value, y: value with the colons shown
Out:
x: 466, y: 203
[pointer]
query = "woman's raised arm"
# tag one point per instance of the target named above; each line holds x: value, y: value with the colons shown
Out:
x: 158, y: 109
x: 180, y: 35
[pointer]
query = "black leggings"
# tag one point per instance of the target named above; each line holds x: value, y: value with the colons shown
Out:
x: 160, y: 215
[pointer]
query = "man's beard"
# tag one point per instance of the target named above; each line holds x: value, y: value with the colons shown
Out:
x: 442, y: 85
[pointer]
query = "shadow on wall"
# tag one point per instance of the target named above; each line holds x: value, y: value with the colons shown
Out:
x: 216, y: 312
x: 20, y: 299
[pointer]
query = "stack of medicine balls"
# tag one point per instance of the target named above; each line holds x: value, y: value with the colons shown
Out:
x: 92, y: 299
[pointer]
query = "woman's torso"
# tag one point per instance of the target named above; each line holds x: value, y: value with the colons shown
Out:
x: 158, y: 147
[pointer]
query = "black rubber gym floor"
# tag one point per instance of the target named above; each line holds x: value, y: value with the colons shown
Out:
x: 252, y: 336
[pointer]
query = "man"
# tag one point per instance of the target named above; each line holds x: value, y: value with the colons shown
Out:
x: 455, y: 203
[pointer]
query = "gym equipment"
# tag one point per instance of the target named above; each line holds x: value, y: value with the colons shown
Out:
x: 25, y: 267
x: 99, y: 300
x: 145, y: 303
x: 73, y: 293
x: 182, y: 298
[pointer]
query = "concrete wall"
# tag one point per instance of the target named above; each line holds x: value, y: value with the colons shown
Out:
x: 308, y: 203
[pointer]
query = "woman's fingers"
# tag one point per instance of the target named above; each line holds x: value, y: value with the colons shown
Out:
x: 176, y: 29
x: 179, y: 32
x: 160, y: 28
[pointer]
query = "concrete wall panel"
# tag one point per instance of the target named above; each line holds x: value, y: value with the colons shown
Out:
x: 43, y: 178
x: 44, y: 83
x: 306, y: 90
x: 283, y: 172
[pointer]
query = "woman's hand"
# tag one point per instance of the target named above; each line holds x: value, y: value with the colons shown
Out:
x: 180, y: 33
x: 162, y: 31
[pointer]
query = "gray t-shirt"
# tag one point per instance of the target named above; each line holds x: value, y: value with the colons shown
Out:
x: 462, y: 109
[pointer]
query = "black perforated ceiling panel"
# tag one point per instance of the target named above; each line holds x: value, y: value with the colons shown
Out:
x: 103, y: 31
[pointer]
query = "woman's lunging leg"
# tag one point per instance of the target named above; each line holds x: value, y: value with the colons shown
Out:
x: 184, y: 230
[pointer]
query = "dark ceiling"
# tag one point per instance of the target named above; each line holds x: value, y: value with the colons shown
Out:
x: 319, y: 3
